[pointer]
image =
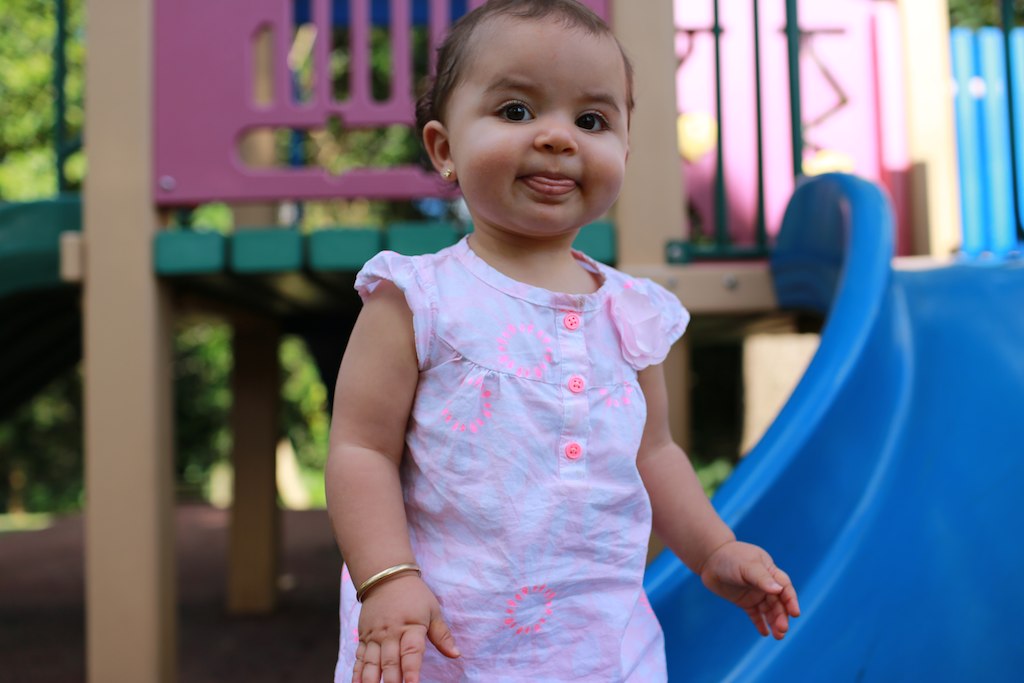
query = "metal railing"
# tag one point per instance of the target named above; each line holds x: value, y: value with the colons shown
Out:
x: 722, y: 245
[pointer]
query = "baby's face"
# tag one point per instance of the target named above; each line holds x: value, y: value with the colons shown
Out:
x: 537, y: 129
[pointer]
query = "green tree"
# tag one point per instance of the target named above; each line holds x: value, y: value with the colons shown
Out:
x: 41, y: 451
x: 28, y: 30
x: 976, y: 13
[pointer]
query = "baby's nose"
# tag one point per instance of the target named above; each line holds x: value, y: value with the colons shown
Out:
x: 556, y: 139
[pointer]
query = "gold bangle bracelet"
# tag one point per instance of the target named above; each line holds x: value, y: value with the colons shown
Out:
x: 382, y: 576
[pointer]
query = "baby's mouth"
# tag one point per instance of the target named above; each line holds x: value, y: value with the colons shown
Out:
x: 552, y: 185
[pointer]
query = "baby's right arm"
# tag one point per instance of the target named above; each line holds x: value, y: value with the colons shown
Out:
x: 372, y: 402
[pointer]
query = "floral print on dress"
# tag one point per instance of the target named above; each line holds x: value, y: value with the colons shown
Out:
x: 529, y: 609
x: 617, y: 397
x: 524, y: 350
x: 476, y: 419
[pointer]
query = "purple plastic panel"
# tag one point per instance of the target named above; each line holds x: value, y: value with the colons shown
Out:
x: 852, y: 102
x: 206, y: 104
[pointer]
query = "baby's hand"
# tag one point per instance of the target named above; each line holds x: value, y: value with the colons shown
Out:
x: 746, y: 575
x: 396, y: 620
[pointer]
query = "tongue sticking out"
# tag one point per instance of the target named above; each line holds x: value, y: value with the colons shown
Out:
x: 549, y: 185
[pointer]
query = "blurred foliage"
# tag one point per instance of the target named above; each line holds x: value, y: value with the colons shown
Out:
x: 203, y: 364
x: 975, y: 13
x: 41, y: 451
x: 27, y: 157
x: 202, y: 398
x: 304, y: 418
x: 41, y: 443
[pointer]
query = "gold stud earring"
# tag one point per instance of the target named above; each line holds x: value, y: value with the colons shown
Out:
x: 447, y: 173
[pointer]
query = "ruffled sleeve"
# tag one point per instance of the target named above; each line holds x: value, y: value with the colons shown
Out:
x: 415, y: 285
x: 649, y: 320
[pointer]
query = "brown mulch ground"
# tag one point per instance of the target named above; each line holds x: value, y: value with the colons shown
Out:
x: 42, y: 615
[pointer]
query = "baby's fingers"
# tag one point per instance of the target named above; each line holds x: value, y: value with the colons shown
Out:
x: 776, y: 617
x: 370, y: 665
x: 441, y: 636
x: 414, y: 643
x: 757, y: 617
x: 788, y: 596
x: 390, y: 665
x: 357, y: 670
x: 767, y: 578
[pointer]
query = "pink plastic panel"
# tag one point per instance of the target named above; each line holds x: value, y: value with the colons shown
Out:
x: 852, y: 103
x: 205, y: 99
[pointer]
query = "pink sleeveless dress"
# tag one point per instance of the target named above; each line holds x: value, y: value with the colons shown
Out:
x: 526, y: 511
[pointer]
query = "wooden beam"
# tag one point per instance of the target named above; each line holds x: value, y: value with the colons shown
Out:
x: 650, y: 208
x: 254, y: 545
x: 131, y: 629
x: 935, y: 189
x: 721, y: 288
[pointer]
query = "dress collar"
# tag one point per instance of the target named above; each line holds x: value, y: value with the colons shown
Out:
x: 537, y: 295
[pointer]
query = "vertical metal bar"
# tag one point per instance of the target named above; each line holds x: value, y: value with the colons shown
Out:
x: 285, y: 90
x: 721, y: 218
x: 322, y: 86
x: 973, y: 179
x: 1017, y: 92
x: 761, y: 234
x: 999, y: 227
x: 401, y: 38
x: 1006, y: 10
x: 359, y: 26
x: 795, y: 115
x: 438, y: 21
x: 60, y: 71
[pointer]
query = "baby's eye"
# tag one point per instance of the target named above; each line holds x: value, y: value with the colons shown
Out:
x: 592, y: 121
x: 515, y: 111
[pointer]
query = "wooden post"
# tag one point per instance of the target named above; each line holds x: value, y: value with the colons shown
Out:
x: 935, y: 191
x: 254, y: 548
x: 129, y: 561
x: 650, y: 209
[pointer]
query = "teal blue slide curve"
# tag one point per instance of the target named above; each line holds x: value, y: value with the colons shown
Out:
x: 889, y: 485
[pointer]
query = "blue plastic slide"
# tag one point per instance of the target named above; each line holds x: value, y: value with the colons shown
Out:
x: 889, y: 485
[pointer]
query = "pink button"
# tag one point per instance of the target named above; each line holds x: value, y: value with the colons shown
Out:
x: 571, y: 321
x: 573, y: 451
x: 576, y: 384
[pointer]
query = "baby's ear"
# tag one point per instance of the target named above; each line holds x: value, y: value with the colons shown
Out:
x: 435, y: 141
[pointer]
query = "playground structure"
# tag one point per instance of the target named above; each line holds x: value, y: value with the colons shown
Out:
x: 145, y: 136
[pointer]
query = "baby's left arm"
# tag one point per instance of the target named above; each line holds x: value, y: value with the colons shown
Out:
x: 688, y: 524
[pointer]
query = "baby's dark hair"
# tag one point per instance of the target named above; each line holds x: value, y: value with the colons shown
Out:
x: 454, y: 51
